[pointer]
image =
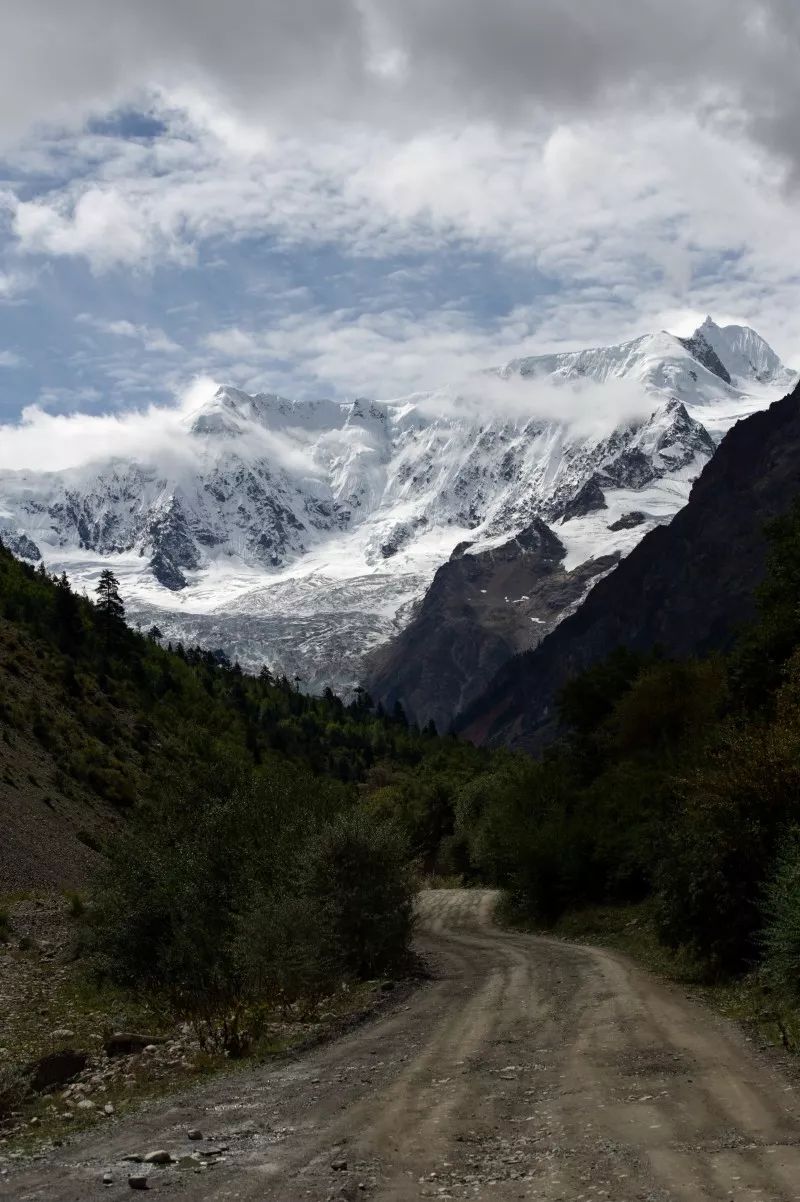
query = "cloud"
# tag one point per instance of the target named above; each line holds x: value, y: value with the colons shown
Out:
x: 587, y: 408
x: 411, y: 64
x: 48, y: 442
x: 628, y: 159
x: 10, y: 359
x: 159, y: 436
x: 13, y: 285
x: 153, y: 339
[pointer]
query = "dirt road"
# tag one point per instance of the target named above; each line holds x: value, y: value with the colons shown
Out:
x: 525, y: 1069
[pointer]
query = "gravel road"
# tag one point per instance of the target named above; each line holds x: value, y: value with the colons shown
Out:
x: 526, y: 1068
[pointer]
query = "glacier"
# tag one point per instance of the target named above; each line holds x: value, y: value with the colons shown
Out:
x: 302, y: 534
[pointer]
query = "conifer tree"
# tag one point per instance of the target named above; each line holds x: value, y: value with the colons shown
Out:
x: 109, y: 603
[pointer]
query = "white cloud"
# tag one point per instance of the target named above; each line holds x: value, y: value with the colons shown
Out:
x: 631, y: 157
x: 153, y: 339
x: 45, y: 441
x: 586, y: 407
x: 623, y: 218
x: 9, y: 359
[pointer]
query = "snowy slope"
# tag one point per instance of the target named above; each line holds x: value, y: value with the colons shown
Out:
x: 302, y: 533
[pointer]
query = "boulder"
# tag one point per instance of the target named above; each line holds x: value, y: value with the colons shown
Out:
x: 125, y: 1043
x: 58, y: 1068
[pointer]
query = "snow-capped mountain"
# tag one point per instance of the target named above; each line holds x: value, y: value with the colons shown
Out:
x: 301, y: 534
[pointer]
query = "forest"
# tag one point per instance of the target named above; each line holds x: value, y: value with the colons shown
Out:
x: 270, y: 843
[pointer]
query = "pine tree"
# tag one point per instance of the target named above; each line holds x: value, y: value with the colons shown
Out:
x: 69, y: 625
x: 109, y: 603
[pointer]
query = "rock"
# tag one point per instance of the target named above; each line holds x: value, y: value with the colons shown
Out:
x: 108, y: 1108
x: 150, y: 1048
x: 158, y: 1157
x: 108, y: 1179
x: 86, y: 1104
x: 62, y: 1033
x: 137, y: 1181
x: 22, y: 546
x: 387, y: 986
x: 57, y: 1069
x: 125, y: 1043
x: 629, y: 521
x: 339, y: 1166
x: 194, y: 1133
x: 587, y: 500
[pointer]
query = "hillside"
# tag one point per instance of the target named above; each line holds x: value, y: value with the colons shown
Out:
x: 481, y: 609
x: 96, y: 719
x: 685, y: 588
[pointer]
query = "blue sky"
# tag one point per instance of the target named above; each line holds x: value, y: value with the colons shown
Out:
x: 354, y: 199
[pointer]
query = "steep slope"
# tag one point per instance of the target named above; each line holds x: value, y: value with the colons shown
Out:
x: 303, y: 534
x: 685, y: 587
x: 95, y: 718
x: 481, y: 609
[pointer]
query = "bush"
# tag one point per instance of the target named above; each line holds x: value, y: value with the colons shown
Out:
x: 15, y: 1086
x: 782, y: 931
x: 356, y: 876
x: 720, y: 844
x: 263, y: 894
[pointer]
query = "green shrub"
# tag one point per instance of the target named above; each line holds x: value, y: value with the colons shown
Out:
x: 14, y: 1088
x: 720, y: 843
x: 355, y: 874
x: 782, y: 931
x: 263, y: 894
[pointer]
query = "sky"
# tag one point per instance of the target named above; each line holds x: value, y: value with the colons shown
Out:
x: 373, y: 197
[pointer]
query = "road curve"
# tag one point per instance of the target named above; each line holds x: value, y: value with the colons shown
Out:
x: 526, y: 1068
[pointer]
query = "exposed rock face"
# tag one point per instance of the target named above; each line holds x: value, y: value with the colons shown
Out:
x: 589, y: 499
x: 22, y: 546
x: 686, y: 586
x: 480, y: 610
x: 699, y: 349
x: 629, y: 521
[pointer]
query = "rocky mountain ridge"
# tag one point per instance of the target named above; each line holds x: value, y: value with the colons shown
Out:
x: 303, y: 534
x: 686, y: 587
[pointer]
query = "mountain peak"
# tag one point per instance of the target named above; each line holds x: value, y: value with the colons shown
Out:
x: 746, y: 356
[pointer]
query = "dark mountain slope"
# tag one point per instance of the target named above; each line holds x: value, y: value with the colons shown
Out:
x: 95, y: 718
x: 686, y: 586
x: 480, y: 610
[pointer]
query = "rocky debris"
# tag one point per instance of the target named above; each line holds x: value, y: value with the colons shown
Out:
x: 125, y: 1043
x: 58, y: 1068
x: 137, y: 1181
x: 108, y: 1178
x: 339, y: 1166
x: 194, y: 1133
